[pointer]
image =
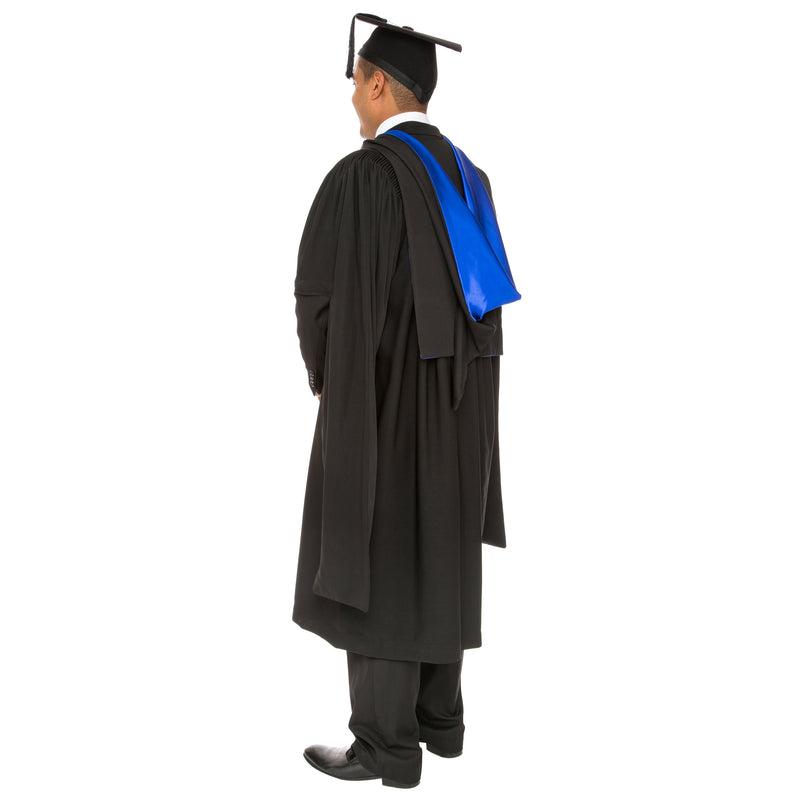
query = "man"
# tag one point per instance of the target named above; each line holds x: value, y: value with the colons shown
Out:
x: 400, y: 281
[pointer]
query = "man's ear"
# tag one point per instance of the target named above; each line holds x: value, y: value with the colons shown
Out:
x: 378, y: 83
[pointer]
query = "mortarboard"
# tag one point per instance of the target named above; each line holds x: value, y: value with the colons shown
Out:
x: 405, y: 54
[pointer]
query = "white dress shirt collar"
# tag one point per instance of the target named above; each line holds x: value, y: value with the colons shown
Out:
x: 405, y: 116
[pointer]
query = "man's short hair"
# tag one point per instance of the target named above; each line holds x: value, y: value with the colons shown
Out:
x: 406, y: 99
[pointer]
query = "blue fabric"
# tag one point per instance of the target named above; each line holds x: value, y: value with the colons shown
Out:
x: 473, y: 230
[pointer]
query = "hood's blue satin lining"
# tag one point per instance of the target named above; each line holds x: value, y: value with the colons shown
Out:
x: 474, y: 233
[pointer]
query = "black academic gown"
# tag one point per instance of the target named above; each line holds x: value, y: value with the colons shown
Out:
x: 403, y: 481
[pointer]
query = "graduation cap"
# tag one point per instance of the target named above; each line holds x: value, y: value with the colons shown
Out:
x: 402, y: 52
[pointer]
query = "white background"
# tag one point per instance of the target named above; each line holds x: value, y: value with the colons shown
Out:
x: 640, y: 631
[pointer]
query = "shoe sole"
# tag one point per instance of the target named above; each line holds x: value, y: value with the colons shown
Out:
x: 397, y: 784
x: 325, y: 772
x: 385, y: 781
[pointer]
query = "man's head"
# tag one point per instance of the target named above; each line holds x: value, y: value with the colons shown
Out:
x: 378, y: 96
x: 399, y: 62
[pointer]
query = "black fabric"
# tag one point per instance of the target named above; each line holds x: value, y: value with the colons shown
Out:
x: 397, y: 704
x: 402, y: 488
x: 348, y: 255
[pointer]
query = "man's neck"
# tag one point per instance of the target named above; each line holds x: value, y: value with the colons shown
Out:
x: 405, y: 116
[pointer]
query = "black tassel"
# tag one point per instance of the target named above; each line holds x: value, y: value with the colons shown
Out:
x: 351, y: 56
x: 350, y: 53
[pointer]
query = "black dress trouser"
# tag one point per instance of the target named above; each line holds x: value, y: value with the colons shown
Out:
x: 398, y: 704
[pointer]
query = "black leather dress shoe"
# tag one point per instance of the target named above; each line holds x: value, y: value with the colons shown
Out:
x: 341, y: 762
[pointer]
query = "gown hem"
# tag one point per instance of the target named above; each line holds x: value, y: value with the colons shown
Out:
x: 391, y: 651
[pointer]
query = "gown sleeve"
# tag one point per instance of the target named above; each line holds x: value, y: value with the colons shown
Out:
x: 348, y: 255
x: 313, y: 285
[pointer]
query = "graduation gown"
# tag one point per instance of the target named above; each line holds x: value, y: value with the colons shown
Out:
x: 403, y: 484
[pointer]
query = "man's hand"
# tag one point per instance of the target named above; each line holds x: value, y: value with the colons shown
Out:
x: 318, y: 395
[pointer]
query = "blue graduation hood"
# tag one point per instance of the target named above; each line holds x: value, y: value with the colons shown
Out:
x: 474, y: 234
